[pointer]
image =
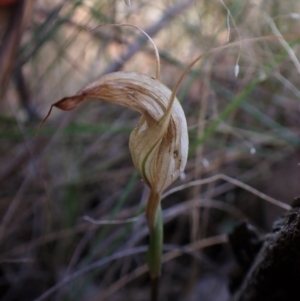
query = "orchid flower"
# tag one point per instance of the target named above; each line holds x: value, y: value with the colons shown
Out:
x: 158, y: 144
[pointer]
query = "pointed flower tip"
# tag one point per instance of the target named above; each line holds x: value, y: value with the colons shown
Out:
x: 159, y: 143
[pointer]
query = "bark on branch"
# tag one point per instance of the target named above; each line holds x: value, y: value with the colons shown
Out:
x: 274, y: 274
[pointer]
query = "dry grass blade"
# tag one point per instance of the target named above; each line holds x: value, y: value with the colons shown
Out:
x: 13, y: 21
x: 157, y: 58
x: 89, y: 268
x: 198, y: 245
x: 233, y: 181
x: 111, y: 222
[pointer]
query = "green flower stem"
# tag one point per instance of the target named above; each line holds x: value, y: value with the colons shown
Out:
x: 155, y: 252
x: 154, y: 288
x: 155, y: 246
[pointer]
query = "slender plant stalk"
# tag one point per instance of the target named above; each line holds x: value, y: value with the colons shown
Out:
x: 154, y: 288
x: 154, y: 253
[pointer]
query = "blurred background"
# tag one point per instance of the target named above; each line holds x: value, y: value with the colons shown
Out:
x: 71, y: 203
